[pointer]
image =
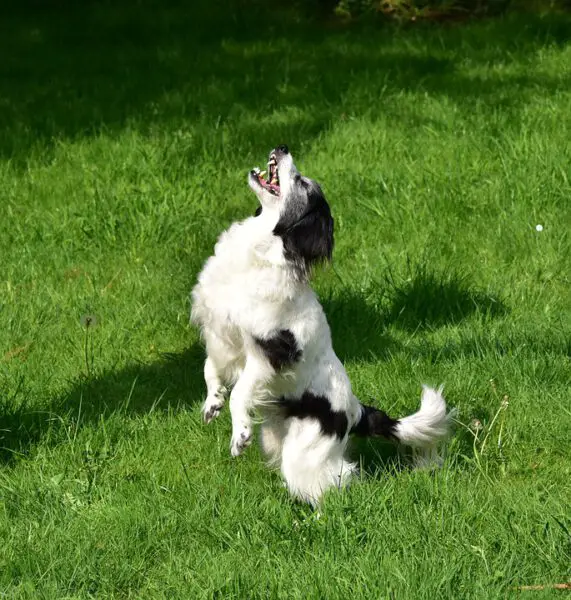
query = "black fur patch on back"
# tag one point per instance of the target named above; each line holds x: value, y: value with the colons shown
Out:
x: 281, y: 349
x: 332, y: 422
x: 375, y: 423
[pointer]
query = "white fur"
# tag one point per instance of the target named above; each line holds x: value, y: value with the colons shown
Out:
x: 248, y: 289
x: 430, y: 423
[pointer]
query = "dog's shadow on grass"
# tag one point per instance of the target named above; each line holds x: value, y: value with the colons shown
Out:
x: 377, y: 457
x: 426, y: 300
x: 172, y: 382
x: 365, y: 327
x: 359, y: 323
x: 358, y: 328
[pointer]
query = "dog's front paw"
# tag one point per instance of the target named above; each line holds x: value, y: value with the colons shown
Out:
x: 240, y: 440
x: 212, y: 407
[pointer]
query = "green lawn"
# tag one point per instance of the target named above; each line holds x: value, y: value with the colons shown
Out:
x: 126, y: 132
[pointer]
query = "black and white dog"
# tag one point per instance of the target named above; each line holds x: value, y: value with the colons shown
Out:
x: 268, y: 340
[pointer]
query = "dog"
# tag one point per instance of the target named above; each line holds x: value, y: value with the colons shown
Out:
x: 268, y: 341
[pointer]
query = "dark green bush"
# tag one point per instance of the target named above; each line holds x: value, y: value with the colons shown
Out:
x: 443, y: 9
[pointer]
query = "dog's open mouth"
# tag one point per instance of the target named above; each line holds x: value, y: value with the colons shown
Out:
x: 272, y: 183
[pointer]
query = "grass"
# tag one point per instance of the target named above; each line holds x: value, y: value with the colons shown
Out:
x: 127, y: 131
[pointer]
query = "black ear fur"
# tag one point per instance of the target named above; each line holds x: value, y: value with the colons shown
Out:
x: 310, y: 239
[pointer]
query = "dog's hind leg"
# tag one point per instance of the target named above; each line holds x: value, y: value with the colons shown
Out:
x: 272, y: 434
x: 313, y: 462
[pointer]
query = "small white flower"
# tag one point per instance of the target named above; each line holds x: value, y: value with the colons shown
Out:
x: 539, y: 227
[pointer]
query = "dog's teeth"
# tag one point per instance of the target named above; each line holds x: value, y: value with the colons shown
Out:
x: 262, y: 173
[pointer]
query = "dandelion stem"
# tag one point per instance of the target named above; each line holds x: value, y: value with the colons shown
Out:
x: 87, y: 349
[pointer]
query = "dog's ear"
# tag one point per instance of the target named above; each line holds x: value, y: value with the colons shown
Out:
x: 309, y: 240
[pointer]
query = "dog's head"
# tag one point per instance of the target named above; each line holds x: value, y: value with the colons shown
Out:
x: 297, y: 209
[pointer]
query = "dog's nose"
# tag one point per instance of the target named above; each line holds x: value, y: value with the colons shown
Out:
x: 283, y: 148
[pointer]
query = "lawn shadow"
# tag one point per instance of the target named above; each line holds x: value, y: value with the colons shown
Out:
x: 358, y: 321
x: 429, y: 299
x: 187, y: 69
x: 377, y: 457
x: 358, y: 328
x: 173, y: 382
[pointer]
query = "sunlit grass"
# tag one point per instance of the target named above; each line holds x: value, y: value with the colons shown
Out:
x: 127, y: 138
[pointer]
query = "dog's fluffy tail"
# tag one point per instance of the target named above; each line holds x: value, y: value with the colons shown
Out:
x: 422, y: 430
